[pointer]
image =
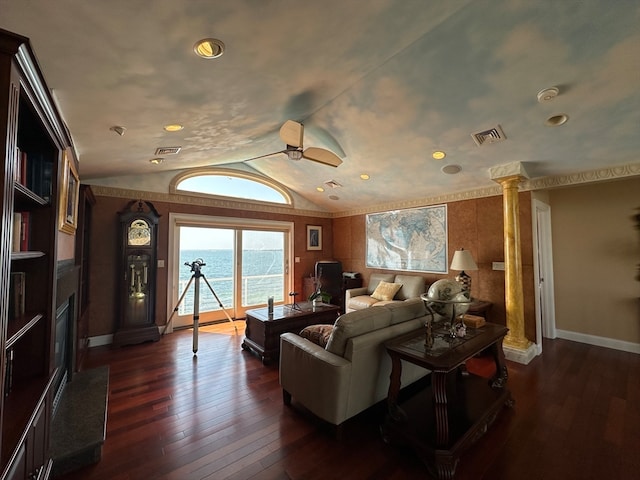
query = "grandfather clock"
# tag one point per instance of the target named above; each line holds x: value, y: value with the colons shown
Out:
x: 138, y: 235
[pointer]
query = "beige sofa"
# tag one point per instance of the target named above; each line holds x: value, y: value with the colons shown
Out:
x: 352, y: 372
x: 360, y: 298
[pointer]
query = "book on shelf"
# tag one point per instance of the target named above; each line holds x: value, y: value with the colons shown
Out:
x: 17, y: 293
x: 8, y: 374
x: 21, y: 232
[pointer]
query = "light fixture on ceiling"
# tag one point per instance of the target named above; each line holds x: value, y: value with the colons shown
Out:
x: 118, y: 129
x: 209, y: 48
x: 364, y: 176
x: 548, y: 94
x: 320, y: 189
x: 156, y: 161
x: 438, y: 155
x: 451, y: 169
x: 294, y: 154
x: 557, y: 120
x: 173, y: 127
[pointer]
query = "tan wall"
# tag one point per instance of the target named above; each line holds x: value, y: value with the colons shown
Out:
x: 475, y: 225
x: 105, y: 258
x: 596, y: 248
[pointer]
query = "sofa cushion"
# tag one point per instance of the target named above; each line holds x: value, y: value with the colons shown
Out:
x: 376, y: 278
x: 407, y: 310
x: 412, y: 286
x: 361, y: 301
x: 318, y: 334
x: 386, y: 291
x: 356, y: 323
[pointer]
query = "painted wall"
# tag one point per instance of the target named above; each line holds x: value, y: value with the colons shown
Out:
x: 596, y: 250
x: 475, y: 225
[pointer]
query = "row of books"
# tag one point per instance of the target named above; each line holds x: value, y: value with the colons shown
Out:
x: 34, y: 172
x: 21, y: 232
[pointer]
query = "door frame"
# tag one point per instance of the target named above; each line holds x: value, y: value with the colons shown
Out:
x: 543, y: 272
x: 177, y: 220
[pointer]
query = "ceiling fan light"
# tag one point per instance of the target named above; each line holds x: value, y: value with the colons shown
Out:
x: 294, y: 154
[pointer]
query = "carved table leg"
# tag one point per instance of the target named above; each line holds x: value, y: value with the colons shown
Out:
x: 395, y: 412
x: 439, y: 384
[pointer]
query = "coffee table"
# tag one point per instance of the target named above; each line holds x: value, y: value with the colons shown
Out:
x: 262, y: 333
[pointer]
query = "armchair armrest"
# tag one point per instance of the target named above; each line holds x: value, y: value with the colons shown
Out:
x: 354, y: 292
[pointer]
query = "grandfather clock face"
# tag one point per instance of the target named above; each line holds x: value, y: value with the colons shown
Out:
x: 139, y: 233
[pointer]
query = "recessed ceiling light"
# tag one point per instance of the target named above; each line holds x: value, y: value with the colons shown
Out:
x: 209, y: 48
x: 364, y: 176
x: 438, y: 155
x: 156, y: 161
x: 173, y: 127
x: 557, y: 120
x: 451, y: 169
x: 320, y: 189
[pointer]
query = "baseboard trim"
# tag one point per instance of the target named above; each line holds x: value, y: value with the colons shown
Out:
x: 599, y: 341
x: 100, y: 340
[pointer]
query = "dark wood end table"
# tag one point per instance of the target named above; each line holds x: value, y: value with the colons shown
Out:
x: 262, y: 332
x: 458, y: 407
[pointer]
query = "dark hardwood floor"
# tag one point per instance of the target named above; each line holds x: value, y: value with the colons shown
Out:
x: 219, y: 415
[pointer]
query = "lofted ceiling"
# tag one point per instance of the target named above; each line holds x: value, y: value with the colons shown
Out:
x: 382, y: 83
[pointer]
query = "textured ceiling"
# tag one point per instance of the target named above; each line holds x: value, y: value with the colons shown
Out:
x: 382, y: 83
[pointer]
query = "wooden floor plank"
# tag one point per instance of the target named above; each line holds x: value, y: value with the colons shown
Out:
x: 219, y: 415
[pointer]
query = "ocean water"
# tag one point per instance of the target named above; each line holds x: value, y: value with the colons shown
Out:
x: 262, y: 277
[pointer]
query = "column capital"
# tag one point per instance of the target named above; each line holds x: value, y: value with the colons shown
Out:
x: 508, y: 172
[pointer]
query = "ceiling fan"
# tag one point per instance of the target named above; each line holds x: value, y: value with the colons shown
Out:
x: 292, y: 134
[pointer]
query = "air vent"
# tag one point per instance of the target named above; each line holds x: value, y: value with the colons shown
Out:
x: 493, y: 135
x: 332, y: 184
x: 167, y: 151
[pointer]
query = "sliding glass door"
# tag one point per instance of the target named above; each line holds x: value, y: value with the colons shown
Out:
x: 238, y: 265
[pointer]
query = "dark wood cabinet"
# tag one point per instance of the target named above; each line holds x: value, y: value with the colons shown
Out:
x: 35, y: 142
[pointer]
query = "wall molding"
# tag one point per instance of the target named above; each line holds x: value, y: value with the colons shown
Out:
x: 541, y: 183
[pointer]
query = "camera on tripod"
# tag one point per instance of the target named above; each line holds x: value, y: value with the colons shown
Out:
x: 196, y: 265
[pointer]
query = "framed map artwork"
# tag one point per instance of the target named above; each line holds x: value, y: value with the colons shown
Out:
x: 412, y: 240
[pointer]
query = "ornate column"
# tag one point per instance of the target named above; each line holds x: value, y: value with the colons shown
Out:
x: 517, y: 346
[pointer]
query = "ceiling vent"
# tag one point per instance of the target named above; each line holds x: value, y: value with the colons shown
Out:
x: 161, y: 151
x: 493, y: 135
x: 332, y: 184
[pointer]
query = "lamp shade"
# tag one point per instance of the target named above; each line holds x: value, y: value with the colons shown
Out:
x: 462, y: 260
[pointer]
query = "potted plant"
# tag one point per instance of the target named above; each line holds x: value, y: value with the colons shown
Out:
x: 319, y: 296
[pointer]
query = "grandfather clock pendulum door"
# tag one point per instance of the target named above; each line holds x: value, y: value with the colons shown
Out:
x: 137, y: 292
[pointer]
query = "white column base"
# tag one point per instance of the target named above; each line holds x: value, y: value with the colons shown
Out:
x: 520, y: 356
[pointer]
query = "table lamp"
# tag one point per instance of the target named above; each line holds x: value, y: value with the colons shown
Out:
x: 462, y: 260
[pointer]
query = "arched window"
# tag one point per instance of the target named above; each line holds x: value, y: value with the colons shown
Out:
x: 230, y: 183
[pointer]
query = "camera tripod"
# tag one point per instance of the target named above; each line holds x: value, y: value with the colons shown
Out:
x: 196, y: 266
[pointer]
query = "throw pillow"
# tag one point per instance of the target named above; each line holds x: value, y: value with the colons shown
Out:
x: 318, y: 334
x: 385, y: 291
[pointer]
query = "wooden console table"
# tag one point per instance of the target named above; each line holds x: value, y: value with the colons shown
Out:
x: 458, y: 407
x: 262, y: 331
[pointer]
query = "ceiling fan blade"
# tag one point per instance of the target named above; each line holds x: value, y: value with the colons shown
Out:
x: 252, y: 158
x: 322, y: 155
x: 291, y: 133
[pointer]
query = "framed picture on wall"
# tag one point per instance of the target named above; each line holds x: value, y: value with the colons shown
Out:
x: 314, y: 237
x: 69, y: 193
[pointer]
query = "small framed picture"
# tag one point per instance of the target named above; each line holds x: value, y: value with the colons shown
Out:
x: 314, y: 237
x: 69, y: 193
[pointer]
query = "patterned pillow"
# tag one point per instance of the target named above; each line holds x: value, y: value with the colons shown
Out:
x: 385, y: 291
x: 318, y: 334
